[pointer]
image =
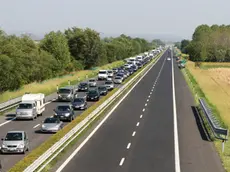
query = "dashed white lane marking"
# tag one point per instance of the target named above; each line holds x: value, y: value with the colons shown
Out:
x: 151, y: 92
x: 128, y: 146
x: 138, y: 124
x: 143, y: 110
x: 147, y: 100
x: 149, y: 96
x: 122, y: 161
x: 141, y: 116
x: 36, y: 126
x: 134, y: 133
x: 146, y: 104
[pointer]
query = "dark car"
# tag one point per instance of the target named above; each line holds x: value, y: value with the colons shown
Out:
x: 79, y: 103
x: 64, y: 112
x: 131, y: 71
x: 83, y: 86
x: 134, y: 67
x: 93, y: 95
x: 115, y: 70
x: 103, y: 90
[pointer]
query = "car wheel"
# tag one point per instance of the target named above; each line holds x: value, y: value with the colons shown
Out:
x: 28, y: 148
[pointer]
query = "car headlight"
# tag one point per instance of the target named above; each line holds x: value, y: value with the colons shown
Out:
x: 82, y: 105
x: 67, y: 114
x: 69, y: 95
x: 21, y: 146
x: 43, y: 126
x: 4, y: 146
x: 55, y: 114
x: 59, y: 95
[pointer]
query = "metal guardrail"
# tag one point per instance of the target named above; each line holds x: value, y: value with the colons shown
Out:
x: 37, y: 163
x: 9, y: 104
x: 218, y: 132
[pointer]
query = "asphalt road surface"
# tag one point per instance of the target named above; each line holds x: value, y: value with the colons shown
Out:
x: 139, y: 135
x: 36, y: 138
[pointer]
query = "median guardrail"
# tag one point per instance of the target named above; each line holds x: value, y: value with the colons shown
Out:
x: 218, y: 132
x: 54, y: 148
x: 10, y: 104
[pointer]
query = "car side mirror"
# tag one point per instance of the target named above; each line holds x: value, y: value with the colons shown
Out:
x: 2, y: 139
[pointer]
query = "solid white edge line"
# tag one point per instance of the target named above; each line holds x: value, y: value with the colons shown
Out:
x: 36, y: 126
x: 103, y: 120
x: 122, y: 161
x: 134, y: 133
x: 176, y: 140
x: 128, y: 146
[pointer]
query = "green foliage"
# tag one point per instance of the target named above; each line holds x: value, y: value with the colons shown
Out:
x: 23, y: 61
x: 209, y: 43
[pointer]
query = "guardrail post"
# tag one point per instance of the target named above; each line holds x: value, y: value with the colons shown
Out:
x: 223, y: 146
x: 57, y: 88
x: 86, y: 76
x: 69, y: 82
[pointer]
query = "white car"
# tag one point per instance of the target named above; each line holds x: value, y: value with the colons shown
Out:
x: 110, y: 73
x: 102, y: 75
x: 110, y: 78
x: 127, y: 66
x: 92, y: 82
x: 109, y: 85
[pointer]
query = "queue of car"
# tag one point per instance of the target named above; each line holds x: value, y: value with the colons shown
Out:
x: 33, y: 105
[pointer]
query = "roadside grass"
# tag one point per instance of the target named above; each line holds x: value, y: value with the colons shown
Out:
x: 210, y: 85
x: 50, y: 86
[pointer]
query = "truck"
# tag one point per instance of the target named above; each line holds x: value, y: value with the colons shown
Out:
x: 31, y: 106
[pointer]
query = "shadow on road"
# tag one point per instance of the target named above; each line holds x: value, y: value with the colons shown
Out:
x: 200, y: 124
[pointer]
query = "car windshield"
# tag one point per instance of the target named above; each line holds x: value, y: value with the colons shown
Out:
x: 13, y: 136
x: 102, y: 72
x: 108, y: 82
x: 110, y: 71
x: 25, y: 106
x: 51, y: 120
x: 63, y: 90
x: 92, y: 92
x: 117, y: 77
x: 102, y: 88
x: 83, y: 84
x: 92, y: 80
x: 63, y: 108
x: 78, y: 100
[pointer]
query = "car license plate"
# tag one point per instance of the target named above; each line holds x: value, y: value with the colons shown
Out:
x: 12, y: 149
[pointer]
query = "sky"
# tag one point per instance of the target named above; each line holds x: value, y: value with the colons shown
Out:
x: 132, y: 17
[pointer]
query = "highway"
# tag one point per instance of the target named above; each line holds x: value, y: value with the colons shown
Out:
x: 140, y: 134
x: 36, y: 138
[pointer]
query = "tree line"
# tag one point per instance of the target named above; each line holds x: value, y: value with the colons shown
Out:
x: 23, y: 61
x: 209, y: 43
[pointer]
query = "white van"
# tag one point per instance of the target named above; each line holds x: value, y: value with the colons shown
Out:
x: 31, y: 106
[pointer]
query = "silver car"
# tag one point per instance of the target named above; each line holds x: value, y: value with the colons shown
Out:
x: 92, y: 82
x: 118, y: 80
x: 15, y: 142
x: 109, y: 85
x: 52, y: 125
